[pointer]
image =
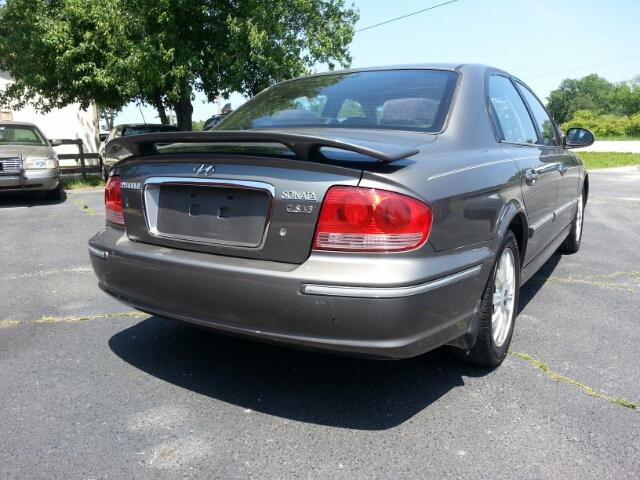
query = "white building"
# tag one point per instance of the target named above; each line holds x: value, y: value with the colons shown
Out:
x: 70, y: 122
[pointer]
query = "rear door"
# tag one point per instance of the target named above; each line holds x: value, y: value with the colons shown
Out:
x: 537, y: 163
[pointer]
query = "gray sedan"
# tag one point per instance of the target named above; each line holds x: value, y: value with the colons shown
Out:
x: 27, y: 161
x: 381, y: 212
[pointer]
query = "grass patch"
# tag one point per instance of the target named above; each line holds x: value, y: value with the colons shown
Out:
x: 617, y: 138
x: 595, y: 160
x: 71, y: 183
x: 545, y: 368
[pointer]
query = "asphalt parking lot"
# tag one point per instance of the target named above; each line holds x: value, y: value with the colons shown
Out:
x: 90, y: 389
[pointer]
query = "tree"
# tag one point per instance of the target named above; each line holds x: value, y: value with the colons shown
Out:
x: 108, y: 116
x: 588, y: 93
x: 161, y: 52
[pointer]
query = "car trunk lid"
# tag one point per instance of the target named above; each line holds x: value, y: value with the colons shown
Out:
x: 252, y: 200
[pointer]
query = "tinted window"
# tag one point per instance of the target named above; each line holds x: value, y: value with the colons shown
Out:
x: 509, y: 112
x: 540, y: 115
x: 416, y: 100
x: 139, y: 129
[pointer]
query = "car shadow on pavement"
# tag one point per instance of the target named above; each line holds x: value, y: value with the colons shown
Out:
x: 293, y: 384
x: 28, y: 199
x: 529, y: 290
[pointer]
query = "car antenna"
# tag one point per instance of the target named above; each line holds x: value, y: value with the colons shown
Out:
x: 140, y: 108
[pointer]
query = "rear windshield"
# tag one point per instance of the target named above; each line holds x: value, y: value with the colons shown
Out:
x: 21, y: 135
x: 414, y: 100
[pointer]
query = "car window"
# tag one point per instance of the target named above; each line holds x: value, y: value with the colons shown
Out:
x: 140, y: 129
x: 540, y: 115
x: 509, y: 112
x: 21, y: 135
x: 414, y: 100
x: 350, y: 109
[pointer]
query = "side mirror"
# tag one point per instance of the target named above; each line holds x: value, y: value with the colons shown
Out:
x: 578, y: 138
x: 55, y: 142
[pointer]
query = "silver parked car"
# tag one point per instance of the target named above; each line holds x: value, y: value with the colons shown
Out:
x: 107, y: 161
x: 380, y: 212
x: 27, y: 161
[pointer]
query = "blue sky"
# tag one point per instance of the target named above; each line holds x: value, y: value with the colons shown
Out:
x: 540, y: 41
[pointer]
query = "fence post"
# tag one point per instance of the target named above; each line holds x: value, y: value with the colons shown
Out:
x: 82, y: 164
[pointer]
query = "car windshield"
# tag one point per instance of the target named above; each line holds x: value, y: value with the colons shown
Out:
x: 21, y: 135
x: 413, y: 100
x: 139, y: 129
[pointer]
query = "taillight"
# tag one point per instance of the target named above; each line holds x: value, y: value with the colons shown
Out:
x: 113, y: 202
x: 370, y: 220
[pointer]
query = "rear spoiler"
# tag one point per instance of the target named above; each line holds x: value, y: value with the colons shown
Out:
x: 303, y: 145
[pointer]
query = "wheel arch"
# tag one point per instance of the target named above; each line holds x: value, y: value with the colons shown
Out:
x: 514, y: 218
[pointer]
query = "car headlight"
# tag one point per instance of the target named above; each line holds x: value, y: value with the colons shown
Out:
x: 37, y: 163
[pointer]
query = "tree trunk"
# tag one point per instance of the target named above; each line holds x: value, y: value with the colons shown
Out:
x: 157, y: 102
x: 183, y: 107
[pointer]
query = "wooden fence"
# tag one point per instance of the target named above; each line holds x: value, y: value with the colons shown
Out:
x: 80, y: 158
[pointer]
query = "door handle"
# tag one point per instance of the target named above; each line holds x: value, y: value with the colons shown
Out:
x: 531, y: 176
x: 563, y: 169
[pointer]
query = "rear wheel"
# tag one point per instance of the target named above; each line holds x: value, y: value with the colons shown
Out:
x: 104, y: 170
x: 571, y: 244
x: 498, y: 308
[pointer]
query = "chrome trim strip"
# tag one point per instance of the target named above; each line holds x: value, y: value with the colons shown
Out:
x: 472, y: 167
x: 558, y: 211
x: 396, y: 292
x: 151, y: 197
x: 547, y: 218
x: 550, y: 216
x: 97, y: 252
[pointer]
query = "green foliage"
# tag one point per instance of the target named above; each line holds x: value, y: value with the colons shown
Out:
x: 161, y: 52
x: 596, y: 94
x: 197, y: 126
x: 605, y: 125
x: 79, y: 182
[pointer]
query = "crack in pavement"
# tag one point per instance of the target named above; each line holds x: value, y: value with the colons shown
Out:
x: 73, y: 319
x: 589, y: 280
x: 545, y: 368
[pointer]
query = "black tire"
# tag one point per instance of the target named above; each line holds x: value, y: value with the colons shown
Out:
x: 491, y: 347
x: 104, y: 171
x: 571, y: 244
x: 55, y: 194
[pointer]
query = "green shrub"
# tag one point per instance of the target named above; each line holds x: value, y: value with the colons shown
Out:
x: 600, y: 125
x: 605, y: 125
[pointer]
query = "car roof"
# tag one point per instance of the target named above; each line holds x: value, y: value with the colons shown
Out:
x: 24, y: 124
x: 411, y: 66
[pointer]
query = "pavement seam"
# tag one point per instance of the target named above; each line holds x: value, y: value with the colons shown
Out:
x: 82, y: 205
x: 73, y: 319
x: 545, y: 368
x: 628, y: 286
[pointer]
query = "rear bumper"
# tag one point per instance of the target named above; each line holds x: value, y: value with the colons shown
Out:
x: 30, y: 180
x: 330, y: 302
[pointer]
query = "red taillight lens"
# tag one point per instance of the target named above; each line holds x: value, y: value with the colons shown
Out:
x: 113, y: 202
x: 369, y: 220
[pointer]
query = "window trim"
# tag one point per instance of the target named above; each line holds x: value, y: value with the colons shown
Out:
x: 494, y: 121
x: 556, y: 138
